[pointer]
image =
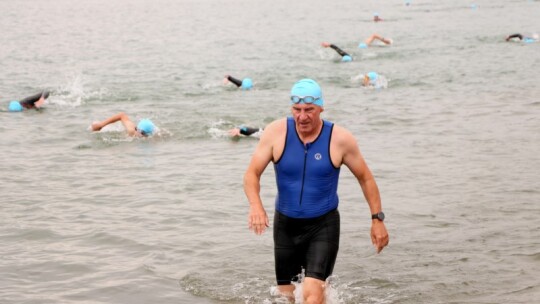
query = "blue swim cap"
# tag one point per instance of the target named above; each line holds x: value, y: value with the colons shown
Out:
x: 372, y: 76
x: 528, y: 40
x: 15, y: 106
x: 308, y: 87
x: 346, y: 58
x: 146, y: 127
x: 247, y: 84
x: 362, y: 45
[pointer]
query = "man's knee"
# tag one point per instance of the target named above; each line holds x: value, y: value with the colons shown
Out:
x: 313, y: 292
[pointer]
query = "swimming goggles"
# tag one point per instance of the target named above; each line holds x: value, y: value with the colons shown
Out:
x: 141, y: 131
x: 304, y: 99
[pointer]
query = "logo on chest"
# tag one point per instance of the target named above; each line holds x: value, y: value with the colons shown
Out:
x: 317, y: 156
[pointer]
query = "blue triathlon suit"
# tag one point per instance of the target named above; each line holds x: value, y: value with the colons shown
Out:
x: 306, y: 222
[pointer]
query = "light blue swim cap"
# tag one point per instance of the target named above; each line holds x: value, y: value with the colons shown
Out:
x: 528, y: 40
x: 346, y: 58
x: 146, y: 127
x: 362, y: 45
x: 372, y: 76
x: 15, y: 106
x: 308, y: 87
x: 247, y: 84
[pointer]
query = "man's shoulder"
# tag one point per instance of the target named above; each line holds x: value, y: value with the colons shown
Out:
x: 339, y: 129
x: 341, y: 134
x: 274, y: 130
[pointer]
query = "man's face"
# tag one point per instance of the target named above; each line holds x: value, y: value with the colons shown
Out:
x: 306, y: 116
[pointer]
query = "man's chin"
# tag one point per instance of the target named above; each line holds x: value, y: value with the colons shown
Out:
x: 304, y: 128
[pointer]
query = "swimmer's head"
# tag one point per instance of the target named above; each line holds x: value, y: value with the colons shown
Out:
x: 372, y: 76
x: 247, y: 84
x: 15, y: 106
x: 146, y: 127
x: 307, y: 91
x: 346, y: 58
x: 362, y: 45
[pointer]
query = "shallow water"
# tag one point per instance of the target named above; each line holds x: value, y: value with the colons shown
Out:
x: 453, y: 142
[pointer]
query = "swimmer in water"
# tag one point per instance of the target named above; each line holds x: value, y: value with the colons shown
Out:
x: 376, y: 17
x: 344, y: 56
x: 371, y: 80
x: 144, y: 128
x: 370, y: 39
x: 527, y: 38
x: 31, y: 102
x: 245, y: 83
x: 247, y: 131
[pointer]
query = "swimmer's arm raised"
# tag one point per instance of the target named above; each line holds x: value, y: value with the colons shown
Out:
x: 337, y: 49
x: 128, y: 124
x: 236, y: 81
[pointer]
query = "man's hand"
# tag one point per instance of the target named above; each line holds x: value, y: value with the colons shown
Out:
x: 257, y: 219
x: 379, y: 235
x: 234, y: 132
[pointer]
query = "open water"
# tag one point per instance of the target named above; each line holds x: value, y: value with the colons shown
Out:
x: 453, y: 141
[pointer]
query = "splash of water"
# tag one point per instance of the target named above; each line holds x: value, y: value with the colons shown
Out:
x: 332, y: 294
x: 73, y: 93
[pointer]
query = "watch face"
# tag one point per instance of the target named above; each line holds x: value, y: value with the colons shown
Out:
x: 380, y: 215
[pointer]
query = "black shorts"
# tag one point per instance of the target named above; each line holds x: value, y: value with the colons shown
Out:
x: 311, y: 244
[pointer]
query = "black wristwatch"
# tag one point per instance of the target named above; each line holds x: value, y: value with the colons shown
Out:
x: 378, y: 216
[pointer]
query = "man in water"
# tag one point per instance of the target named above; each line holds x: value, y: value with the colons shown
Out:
x: 145, y: 127
x: 243, y: 130
x: 31, y: 102
x: 528, y: 38
x: 244, y: 84
x: 307, y: 153
x: 374, y: 80
x: 344, y: 56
